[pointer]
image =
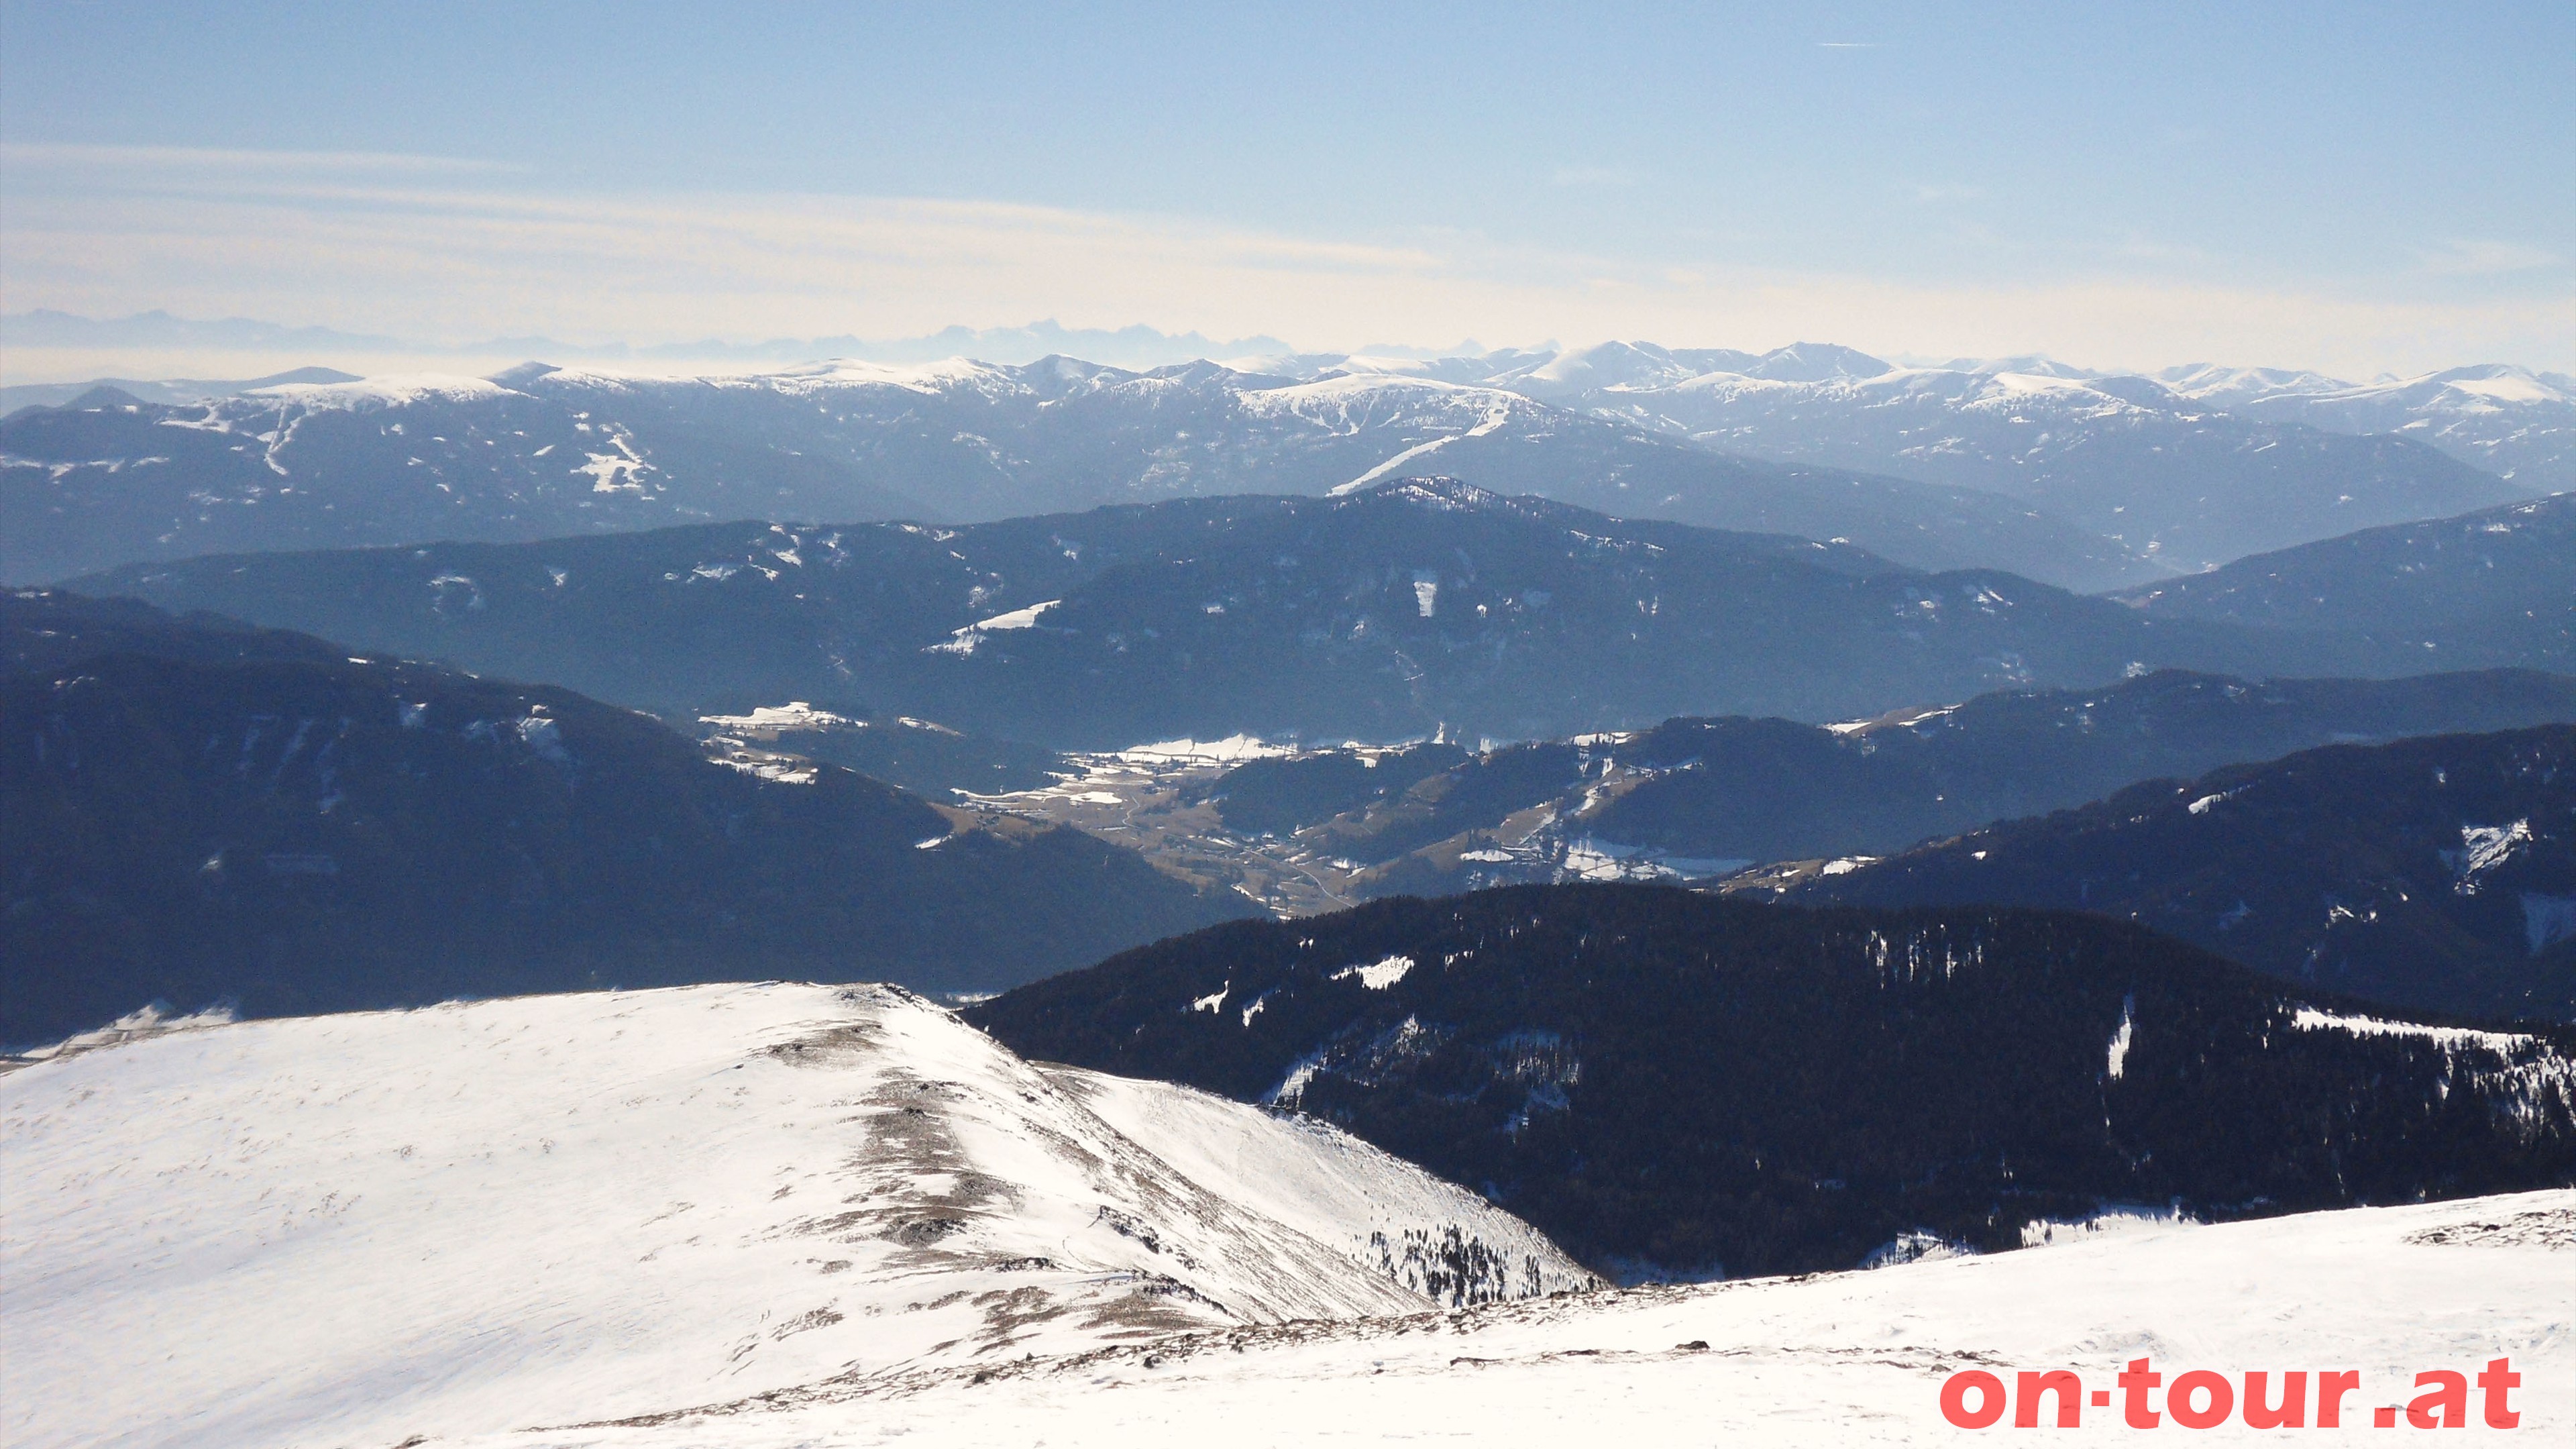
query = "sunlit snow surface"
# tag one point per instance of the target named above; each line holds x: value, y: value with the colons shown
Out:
x: 1841, y: 1359
x: 475, y: 1218
x: 504, y: 1224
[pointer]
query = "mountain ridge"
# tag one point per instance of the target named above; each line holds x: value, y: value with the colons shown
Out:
x: 1668, y: 1083
x: 2434, y: 873
x: 1382, y: 614
x: 551, y: 451
x: 1701, y: 798
x: 193, y: 815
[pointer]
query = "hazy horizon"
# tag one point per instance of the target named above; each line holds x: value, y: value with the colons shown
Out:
x: 236, y: 349
x: 2353, y: 191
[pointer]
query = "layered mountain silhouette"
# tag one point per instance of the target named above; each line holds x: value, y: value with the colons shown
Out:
x: 2436, y: 873
x: 537, y: 452
x: 1670, y: 1084
x: 2493, y: 586
x: 194, y: 813
x: 2166, y: 466
x: 1385, y: 613
x: 2028, y: 425
x: 1705, y: 797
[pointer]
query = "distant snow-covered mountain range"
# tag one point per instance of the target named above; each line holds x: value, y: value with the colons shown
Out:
x: 2071, y: 477
x: 2075, y: 440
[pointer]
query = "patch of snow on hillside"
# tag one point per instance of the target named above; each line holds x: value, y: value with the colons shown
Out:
x: 2482, y: 849
x: 760, y: 764
x: 390, y: 390
x: 619, y: 472
x: 1497, y: 413
x: 1017, y: 618
x: 2117, y: 1220
x: 1418, y: 450
x: 794, y: 716
x: 2518, y: 1075
x: 1309, y: 1176
x: 1914, y: 1247
x: 1225, y: 751
x: 1378, y: 975
x: 2309, y: 1018
x: 963, y: 641
x: 150, y: 1021
x: 2116, y: 1060
x: 1588, y: 858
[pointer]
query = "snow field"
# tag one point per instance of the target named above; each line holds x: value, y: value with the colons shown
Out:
x: 1828, y: 1360
x: 477, y: 1218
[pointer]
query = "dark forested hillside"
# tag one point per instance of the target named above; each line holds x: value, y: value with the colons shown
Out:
x: 1703, y: 792
x: 1670, y: 1083
x: 190, y: 814
x: 2493, y: 587
x: 1382, y: 614
x: 2435, y: 873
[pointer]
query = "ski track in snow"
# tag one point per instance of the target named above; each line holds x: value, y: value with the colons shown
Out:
x: 741, y: 1217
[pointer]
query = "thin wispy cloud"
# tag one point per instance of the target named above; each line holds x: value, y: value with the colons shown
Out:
x: 450, y: 258
x: 2488, y: 258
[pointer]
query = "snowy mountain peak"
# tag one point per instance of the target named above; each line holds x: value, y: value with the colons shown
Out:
x: 1815, y: 362
x: 2204, y: 381
x: 523, y: 374
x: 633, y: 1203
x: 1604, y: 365
x: 389, y: 391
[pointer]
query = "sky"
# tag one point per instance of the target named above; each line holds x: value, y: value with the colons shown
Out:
x: 2356, y: 188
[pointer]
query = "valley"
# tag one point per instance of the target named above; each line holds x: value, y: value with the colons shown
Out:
x: 1148, y: 727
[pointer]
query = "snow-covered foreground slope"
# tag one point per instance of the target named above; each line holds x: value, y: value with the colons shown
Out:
x: 1836, y: 1359
x: 481, y: 1217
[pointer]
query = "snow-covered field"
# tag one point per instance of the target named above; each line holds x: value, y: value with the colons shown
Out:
x: 790, y: 1215
x: 1151, y: 798
x: 475, y: 1218
x: 1835, y: 1359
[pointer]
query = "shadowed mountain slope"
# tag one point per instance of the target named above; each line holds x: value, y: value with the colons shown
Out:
x: 300, y: 833
x: 1669, y: 1083
x: 1382, y: 614
x: 2436, y: 873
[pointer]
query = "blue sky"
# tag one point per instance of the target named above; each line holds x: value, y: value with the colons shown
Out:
x: 2353, y: 187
